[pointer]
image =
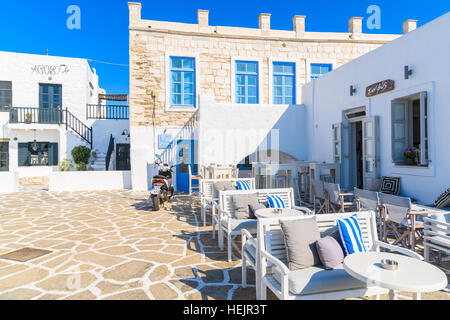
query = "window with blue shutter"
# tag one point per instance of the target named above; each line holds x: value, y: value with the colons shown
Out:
x: 4, y: 156
x: 182, y: 82
x: 283, y: 83
x: 319, y: 69
x: 45, y: 155
x: 5, y: 95
x: 247, y: 82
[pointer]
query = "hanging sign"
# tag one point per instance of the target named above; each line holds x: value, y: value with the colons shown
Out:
x: 379, y: 88
x: 164, y: 141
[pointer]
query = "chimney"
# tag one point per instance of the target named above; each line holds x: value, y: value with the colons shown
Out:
x: 299, y: 26
x: 264, y: 21
x: 409, y: 25
x: 203, y: 18
x: 355, y: 25
x: 135, y: 13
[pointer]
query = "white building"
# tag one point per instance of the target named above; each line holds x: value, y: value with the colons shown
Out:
x: 367, y: 130
x: 53, y: 101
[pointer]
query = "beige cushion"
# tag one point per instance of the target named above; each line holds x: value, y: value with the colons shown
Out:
x: 241, y: 205
x: 300, y: 238
x: 316, y: 279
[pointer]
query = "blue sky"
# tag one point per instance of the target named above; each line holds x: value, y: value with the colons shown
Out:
x: 34, y: 26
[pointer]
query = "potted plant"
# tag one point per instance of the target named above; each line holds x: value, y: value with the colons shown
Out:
x: 28, y: 117
x: 410, y: 155
x: 81, y: 155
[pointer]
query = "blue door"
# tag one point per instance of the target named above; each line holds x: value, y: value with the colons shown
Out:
x: 186, y: 155
x: 50, y: 103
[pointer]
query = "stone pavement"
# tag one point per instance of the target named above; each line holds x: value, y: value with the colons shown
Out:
x: 111, y: 245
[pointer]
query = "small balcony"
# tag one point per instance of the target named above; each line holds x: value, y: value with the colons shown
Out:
x: 36, y: 115
x: 107, y: 112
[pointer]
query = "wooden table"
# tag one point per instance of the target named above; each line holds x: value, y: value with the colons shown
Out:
x: 413, y: 275
x: 270, y: 213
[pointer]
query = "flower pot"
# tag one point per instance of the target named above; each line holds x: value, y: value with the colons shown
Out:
x: 410, y: 161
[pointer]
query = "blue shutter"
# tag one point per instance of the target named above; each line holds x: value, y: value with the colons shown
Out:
x: 52, y: 154
x: 24, y: 155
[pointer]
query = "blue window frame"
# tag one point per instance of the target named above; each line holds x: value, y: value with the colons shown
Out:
x: 247, y: 82
x: 283, y: 83
x: 182, y: 81
x: 319, y: 69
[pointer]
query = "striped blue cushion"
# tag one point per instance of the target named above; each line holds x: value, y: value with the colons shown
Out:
x: 351, y: 237
x: 275, y: 201
x: 243, y: 185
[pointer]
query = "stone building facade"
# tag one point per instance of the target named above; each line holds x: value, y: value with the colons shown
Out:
x: 215, y: 50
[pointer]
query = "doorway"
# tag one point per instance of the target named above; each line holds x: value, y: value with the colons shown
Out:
x: 186, y: 160
x: 356, y: 154
x: 123, y: 157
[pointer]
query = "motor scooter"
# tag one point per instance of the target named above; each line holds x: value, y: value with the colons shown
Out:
x: 162, y: 188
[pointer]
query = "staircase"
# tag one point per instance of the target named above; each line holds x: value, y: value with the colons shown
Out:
x: 100, y: 162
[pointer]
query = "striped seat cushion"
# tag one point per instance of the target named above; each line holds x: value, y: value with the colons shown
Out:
x: 443, y: 200
x: 351, y: 237
x: 243, y: 185
x: 275, y: 201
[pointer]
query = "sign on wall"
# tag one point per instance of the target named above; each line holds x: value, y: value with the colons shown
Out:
x: 164, y: 141
x: 379, y: 88
x: 50, y: 70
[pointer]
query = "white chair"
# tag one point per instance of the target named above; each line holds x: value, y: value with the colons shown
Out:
x: 437, y: 237
x: 335, y: 199
x: 230, y: 227
x: 209, y: 197
x: 315, y: 283
x: 318, y: 193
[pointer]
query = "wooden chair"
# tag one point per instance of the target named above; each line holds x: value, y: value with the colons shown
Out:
x: 318, y: 193
x: 369, y: 201
x: 192, y: 186
x: 399, y: 218
x: 275, y: 274
x: 335, y: 199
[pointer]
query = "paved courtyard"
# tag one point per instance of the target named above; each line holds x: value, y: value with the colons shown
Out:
x: 110, y: 245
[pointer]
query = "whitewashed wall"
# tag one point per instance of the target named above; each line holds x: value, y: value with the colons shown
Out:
x: 230, y: 132
x: 90, y: 180
x: 73, y: 74
x: 428, y: 55
x: 9, y: 182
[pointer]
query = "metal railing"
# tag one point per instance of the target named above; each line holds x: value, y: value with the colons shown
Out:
x: 51, y: 116
x: 107, y: 112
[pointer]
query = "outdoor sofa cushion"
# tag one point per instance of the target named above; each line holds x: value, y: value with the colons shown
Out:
x: 223, y: 185
x: 316, y: 279
x: 330, y: 252
x: 443, y: 200
x: 243, y: 185
x: 237, y: 224
x: 253, y: 207
x: 390, y: 185
x: 351, y: 238
x: 300, y: 238
x: 241, y: 205
x: 251, y: 250
x: 275, y: 201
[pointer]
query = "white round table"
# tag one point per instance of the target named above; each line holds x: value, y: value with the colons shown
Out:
x: 270, y: 213
x: 412, y: 274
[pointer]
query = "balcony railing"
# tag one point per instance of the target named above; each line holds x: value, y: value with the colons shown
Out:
x: 35, y: 115
x: 51, y: 116
x: 107, y: 112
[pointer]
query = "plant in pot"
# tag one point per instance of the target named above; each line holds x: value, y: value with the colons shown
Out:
x: 410, y: 155
x: 28, y: 117
x: 80, y: 156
